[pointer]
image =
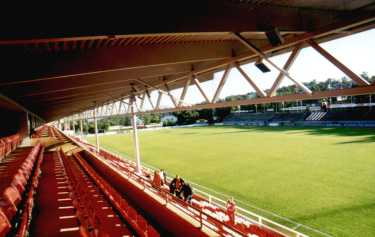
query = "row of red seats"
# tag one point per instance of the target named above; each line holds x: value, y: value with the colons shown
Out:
x: 29, y: 203
x: 15, y: 171
x: 90, y: 222
x: 45, y: 131
x: 263, y: 232
x: 56, y: 133
x: 137, y: 221
x: 94, y: 220
x: 242, y: 227
x: 8, y: 144
x: 41, y: 132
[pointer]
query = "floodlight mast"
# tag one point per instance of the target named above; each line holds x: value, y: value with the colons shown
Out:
x: 135, y: 134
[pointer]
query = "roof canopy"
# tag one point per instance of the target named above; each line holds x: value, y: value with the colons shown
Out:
x: 96, y: 56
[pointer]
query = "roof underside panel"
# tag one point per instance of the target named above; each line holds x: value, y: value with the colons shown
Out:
x: 89, y: 58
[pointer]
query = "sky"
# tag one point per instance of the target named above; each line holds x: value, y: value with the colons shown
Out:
x: 356, y: 51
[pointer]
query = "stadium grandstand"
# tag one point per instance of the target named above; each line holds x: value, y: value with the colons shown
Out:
x: 70, y: 67
x: 349, y: 116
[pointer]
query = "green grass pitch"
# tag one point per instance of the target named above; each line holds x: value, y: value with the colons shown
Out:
x: 320, y: 177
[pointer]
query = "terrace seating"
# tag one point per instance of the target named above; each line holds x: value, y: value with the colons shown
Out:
x: 26, y: 217
x: 137, y: 221
x: 260, y: 119
x: 243, y: 117
x: 78, y: 206
x: 345, y: 116
x: 44, y: 131
x: 9, y: 144
x: 289, y: 117
x: 350, y: 114
x: 15, y: 172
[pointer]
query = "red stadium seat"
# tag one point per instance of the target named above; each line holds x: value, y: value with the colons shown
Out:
x: 142, y: 223
x: 2, y: 149
x: 7, y: 207
x: 18, y: 183
x: 4, y: 224
x: 12, y: 194
x: 151, y: 232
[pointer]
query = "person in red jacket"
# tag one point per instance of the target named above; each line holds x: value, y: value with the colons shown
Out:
x: 231, y: 210
x: 157, y: 182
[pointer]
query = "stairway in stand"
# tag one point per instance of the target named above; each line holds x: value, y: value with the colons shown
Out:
x: 316, y: 116
x: 55, y: 214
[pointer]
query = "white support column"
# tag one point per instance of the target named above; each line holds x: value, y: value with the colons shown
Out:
x: 96, y: 132
x: 81, y: 127
x: 135, y: 136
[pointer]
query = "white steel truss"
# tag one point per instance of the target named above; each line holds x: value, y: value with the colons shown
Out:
x: 122, y: 105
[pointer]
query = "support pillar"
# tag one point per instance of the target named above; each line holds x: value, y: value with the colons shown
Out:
x: 96, y: 132
x: 135, y: 135
x: 81, y: 126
